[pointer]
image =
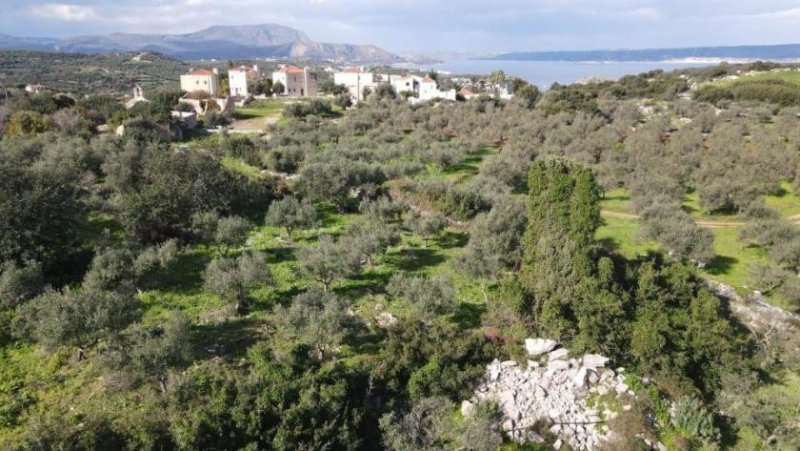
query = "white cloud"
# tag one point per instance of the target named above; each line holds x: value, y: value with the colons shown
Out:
x: 65, y: 12
x: 424, y: 25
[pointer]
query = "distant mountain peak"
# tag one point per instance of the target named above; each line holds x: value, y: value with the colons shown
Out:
x: 218, y: 41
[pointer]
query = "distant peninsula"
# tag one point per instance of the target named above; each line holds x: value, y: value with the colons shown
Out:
x: 785, y: 52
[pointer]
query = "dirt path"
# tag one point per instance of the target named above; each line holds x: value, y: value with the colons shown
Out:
x: 704, y: 224
x: 255, y: 125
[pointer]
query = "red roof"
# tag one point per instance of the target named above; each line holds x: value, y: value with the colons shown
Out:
x: 202, y: 72
x: 428, y: 80
x: 466, y: 92
x: 292, y: 70
x: 352, y: 70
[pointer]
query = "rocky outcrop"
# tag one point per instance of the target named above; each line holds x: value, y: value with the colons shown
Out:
x: 753, y: 312
x: 554, y: 393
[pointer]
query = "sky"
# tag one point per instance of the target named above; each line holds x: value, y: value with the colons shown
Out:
x: 426, y: 26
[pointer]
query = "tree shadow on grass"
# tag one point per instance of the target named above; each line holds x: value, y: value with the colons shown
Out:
x: 185, y: 274
x: 229, y: 339
x: 366, y: 284
x: 469, y: 315
x: 282, y: 298
x: 416, y: 259
x: 450, y: 240
x: 721, y: 264
x: 281, y: 254
x: 365, y: 341
x: 609, y: 244
x: 471, y: 162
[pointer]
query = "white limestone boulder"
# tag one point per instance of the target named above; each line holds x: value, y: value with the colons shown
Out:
x: 594, y: 361
x: 539, y: 346
x: 558, y: 354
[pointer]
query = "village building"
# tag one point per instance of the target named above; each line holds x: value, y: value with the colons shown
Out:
x: 203, y: 104
x: 205, y: 80
x: 467, y: 93
x: 187, y: 119
x: 34, y: 89
x: 357, y: 81
x: 296, y: 81
x: 138, y: 96
x: 429, y: 90
x: 409, y: 84
x: 240, y: 79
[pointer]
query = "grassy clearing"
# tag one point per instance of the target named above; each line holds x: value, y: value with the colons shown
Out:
x: 617, y: 200
x: 786, y: 202
x: 691, y: 204
x: 790, y: 76
x: 237, y: 165
x: 463, y: 171
x: 733, y: 258
x: 260, y: 109
x: 623, y: 235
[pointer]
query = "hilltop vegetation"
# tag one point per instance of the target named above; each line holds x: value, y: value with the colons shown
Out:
x: 343, y: 283
x: 113, y: 73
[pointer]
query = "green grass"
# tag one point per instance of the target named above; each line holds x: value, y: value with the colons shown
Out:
x: 730, y: 266
x: 463, y: 171
x: 623, y: 235
x: 789, y: 76
x: 691, y: 204
x: 237, y: 165
x: 788, y: 386
x: 259, y: 109
x: 733, y: 258
x: 616, y: 200
x: 786, y: 202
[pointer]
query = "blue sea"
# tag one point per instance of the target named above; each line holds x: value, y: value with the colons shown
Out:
x: 544, y: 73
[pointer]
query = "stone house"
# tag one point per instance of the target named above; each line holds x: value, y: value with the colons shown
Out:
x: 239, y: 79
x: 296, y: 81
x: 205, y: 80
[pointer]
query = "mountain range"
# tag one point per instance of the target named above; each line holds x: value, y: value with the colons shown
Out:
x: 220, y: 42
x: 744, y: 52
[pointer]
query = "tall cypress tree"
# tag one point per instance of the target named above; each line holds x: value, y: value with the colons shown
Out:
x: 563, y: 214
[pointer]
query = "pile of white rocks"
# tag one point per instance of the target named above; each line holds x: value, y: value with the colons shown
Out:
x: 552, y: 391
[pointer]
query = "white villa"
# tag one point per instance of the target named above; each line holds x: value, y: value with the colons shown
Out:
x: 409, y: 83
x: 355, y: 80
x: 297, y: 82
x: 239, y: 78
x: 206, y: 80
x: 422, y: 88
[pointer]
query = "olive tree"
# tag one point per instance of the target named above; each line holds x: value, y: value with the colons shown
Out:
x: 329, y: 260
x: 232, y: 278
x: 291, y: 214
x: 316, y: 318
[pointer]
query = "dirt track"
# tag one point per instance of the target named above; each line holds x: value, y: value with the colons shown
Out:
x: 705, y: 224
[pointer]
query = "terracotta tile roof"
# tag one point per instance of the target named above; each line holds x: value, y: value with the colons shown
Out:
x: 352, y: 70
x: 202, y: 72
x: 428, y: 80
x: 466, y: 92
x: 292, y: 70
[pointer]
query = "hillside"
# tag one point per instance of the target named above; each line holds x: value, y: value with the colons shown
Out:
x: 83, y: 74
x: 221, y: 42
x: 345, y: 278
